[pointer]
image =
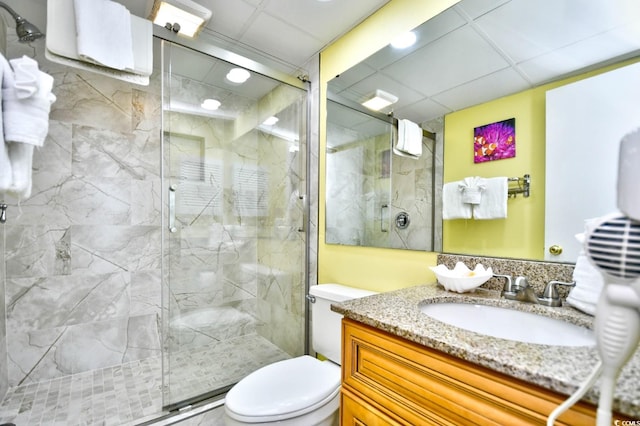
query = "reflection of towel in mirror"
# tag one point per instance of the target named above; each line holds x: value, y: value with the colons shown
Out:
x: 409, y: 139
x: 494, y: 199
x: 472, y: 188
x: 452, y: 205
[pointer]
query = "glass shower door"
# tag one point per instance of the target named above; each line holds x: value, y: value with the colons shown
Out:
x: 234, y: 244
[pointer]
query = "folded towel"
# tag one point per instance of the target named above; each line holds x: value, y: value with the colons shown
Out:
x: 26, y: 102
x: 472, y: 188
x: 589, y: 280
x: 409, y: 140
x: 104, y: 33
x: 21, y: 156
x: 25, y: 107
x: 494, y: 199
x: 452, y: 205
x: 589, y: 283
x: 6, y: 176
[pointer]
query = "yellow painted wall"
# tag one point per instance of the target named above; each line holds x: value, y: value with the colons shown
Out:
x: 521, y: 235
x: 366, y: 267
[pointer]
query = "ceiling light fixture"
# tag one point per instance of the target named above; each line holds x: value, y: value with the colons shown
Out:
x: 210, y: 104
x: 379, y: 99
x: 238, y: 75
x: 270, y: 121
x: 405, y: 40
x: 184, y: 17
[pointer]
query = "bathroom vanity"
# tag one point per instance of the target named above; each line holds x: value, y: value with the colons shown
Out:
x: 399, y: 366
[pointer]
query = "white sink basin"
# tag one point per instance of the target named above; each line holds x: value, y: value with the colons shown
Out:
x: 510, y: 324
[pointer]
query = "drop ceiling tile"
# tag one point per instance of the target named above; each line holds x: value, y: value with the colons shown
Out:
x: 230, y: 17
x: 323, y: 20
x: 584, y: 54
x: 438, y: 26
x: 476, y: 8
x: 501, y: 83
x: 526, y: 29
x: 345, y: 80
x: 274, y: 36
x: 422, y: 111
x: 454, y: 59
x: 189, y: 63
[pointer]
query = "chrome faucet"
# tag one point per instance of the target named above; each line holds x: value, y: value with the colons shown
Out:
x: 520, y: 290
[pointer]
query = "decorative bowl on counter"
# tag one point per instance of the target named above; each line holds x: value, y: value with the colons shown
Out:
x: 462, y: 279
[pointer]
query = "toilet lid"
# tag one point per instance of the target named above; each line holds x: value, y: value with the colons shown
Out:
x: 284, y: 389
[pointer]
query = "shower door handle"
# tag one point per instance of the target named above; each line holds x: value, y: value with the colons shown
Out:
x: 172, y: 208
x: 303, y: 200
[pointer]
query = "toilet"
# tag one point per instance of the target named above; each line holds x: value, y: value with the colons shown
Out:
x: 300, y: 391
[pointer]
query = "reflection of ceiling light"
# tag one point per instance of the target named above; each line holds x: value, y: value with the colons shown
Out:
x: 379, y: 99
x: 238, y: 75
x: 189, y: 16
x: 270, y: 121
x: 210, y: 104
x: 405, y: 40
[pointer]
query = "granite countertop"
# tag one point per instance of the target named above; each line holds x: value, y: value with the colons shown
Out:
x: 559, y: 368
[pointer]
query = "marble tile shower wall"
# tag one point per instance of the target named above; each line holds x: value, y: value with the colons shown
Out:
x: 83, y: 253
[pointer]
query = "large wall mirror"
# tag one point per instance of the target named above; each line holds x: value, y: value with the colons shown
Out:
x: 477, y: 52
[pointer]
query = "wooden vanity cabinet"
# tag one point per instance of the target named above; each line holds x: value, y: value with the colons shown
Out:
x: 387, y: 380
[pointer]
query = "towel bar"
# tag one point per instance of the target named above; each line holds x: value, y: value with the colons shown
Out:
x: 524, y: 185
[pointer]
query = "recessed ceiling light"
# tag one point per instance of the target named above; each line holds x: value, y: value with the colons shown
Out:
x: 379, y: 99
x: 238, y: 75
x: 270, y: 121
x: 210, y: 104
x: 405, y: 40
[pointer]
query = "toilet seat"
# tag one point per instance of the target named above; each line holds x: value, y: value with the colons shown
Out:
x: 283, y: 390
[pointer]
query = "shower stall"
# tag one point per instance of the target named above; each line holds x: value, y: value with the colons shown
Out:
x: 234, y: 187
x: 164, y: 252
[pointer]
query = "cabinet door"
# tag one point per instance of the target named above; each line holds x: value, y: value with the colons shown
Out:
x: 356, y: 412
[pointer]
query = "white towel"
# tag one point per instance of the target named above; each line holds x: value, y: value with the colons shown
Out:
x: 452, y: 205
x: 494, y: 199
x: 6, y: 176
x: 472, y: 188
x: 589, y: 281
x: 104, y: 33
x: 409, y: 140
x: 26, y: 106
x: 26, y: 102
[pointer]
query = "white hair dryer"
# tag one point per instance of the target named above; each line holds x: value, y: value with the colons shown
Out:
x: 613, y: 246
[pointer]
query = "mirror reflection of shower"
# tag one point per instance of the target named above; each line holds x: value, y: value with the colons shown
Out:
x: 26, y: 31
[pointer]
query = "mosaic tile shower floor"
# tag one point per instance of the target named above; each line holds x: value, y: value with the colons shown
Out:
x: 127, y: 393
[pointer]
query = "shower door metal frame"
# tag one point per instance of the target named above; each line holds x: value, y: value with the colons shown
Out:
x: 300, y: 82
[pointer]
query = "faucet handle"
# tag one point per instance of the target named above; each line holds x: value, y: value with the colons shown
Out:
x: 550, y: 296
x: 508, y: 285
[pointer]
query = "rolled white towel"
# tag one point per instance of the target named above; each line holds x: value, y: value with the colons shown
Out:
x: 472, y: 188
x: 26, y: 102
x: 6, y: 173
x: 21, y: 156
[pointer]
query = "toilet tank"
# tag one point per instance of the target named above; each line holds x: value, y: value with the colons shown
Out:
x: 326, y: 328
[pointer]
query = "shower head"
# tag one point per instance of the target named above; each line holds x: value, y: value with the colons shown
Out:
x: 26, y: 31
